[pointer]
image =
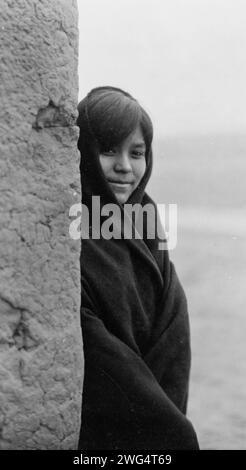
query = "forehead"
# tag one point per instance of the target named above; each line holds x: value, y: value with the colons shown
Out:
x: 135, y: 138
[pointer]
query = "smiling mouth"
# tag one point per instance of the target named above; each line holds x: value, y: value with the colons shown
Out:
x: 118, y: 186
x: 120, y: 183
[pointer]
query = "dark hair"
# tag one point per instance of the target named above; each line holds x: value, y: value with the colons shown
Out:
x: 109, y: 115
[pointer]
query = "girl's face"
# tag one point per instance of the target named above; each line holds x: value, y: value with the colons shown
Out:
x: 124, y: 165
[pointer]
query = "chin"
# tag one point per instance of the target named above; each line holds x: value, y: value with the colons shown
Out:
x: 122, y: 198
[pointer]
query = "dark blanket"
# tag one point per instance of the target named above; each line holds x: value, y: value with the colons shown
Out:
x: 137, y: 350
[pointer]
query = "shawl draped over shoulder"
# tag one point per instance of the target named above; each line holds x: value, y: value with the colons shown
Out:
x: 136, y: 335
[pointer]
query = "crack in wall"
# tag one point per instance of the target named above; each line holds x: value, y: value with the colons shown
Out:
x: 53, y: 116
x: 20, y: 335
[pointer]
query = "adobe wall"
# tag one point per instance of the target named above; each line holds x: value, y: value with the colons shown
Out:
x: 41, y: 362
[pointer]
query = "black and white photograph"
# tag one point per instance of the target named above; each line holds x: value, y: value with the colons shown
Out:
x: 122, y: 228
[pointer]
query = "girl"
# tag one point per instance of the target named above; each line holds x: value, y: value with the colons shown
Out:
x: 133, y: 313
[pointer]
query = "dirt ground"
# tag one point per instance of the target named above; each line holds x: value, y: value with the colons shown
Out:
x: 212, y: 268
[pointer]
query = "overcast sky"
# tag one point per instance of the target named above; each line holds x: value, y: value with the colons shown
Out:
x: 184, y: 60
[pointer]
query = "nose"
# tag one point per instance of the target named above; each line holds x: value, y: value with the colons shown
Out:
x: 123, y: 163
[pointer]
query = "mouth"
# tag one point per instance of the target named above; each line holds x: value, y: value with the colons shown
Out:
x: 120, y: 185
x: 120, y: 182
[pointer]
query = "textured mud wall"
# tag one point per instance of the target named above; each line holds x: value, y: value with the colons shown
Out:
x: 41, y: 362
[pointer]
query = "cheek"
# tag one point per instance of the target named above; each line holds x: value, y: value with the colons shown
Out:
x: 140, y: 169
x: 105, y: 165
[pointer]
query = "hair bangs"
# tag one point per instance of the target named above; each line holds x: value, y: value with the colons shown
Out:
x: 113, y: 118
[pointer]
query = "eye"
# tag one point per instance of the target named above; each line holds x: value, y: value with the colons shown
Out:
x: 108, y: 152
x: 138, y: 153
